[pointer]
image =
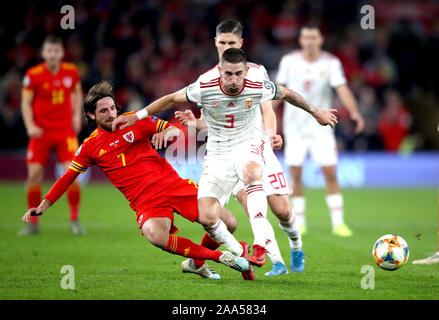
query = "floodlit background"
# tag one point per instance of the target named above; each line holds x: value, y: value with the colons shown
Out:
x: 150, y: 48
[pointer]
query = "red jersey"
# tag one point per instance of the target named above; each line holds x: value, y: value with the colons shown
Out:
x: 129, y: 161
x: 51, y: 103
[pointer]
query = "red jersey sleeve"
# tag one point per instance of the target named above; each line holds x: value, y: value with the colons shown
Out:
x: 29, y: 82
x: 61, y: 186
x: 82, y: 159
x: 153, y: 125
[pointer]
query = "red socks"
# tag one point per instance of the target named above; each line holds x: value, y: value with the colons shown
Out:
x: 33, y: 200
x: 73, y: 197
x: 208, y: 243
x: 187, y: 248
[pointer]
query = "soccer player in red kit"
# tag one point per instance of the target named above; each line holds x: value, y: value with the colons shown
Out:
x: 153, y: 188
x: 51, y: 107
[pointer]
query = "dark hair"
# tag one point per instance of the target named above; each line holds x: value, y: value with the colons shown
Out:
x: 229, y: 26
x: 234, y: 55
x: 53, y: 40
x: 97, y: 92
x: 311, y: 25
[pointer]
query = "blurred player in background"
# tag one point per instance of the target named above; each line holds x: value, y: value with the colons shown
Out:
x: 313, y: 73
x: 153, y: 188
x: 229, y: 35
x: 51, y: 107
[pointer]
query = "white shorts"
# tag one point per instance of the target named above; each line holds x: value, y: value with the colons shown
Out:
x: 320, y: 144
x: 274, y: 180
x: 222, y: 172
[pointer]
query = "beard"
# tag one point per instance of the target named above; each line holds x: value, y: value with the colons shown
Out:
x: 106, y: 125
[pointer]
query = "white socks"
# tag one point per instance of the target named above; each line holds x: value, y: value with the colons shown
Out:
x: 335, y: 205
x: 219, y: 233
x: 257, y: 211
x: 291, y: 228
x: 271, y: 245
x: 299, y: 206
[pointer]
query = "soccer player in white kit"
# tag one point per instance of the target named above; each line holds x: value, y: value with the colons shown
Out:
x: 313, y: 73
x: 276, y: 187
x: 234, y: 151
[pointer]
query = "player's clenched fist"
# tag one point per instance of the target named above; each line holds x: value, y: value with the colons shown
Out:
x: 276, y: 142
x: 36, y: 211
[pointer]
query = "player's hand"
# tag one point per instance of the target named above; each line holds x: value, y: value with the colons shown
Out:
x: 325, y: 117
x: 124, y: 121
x: 36, y: 211
x: 359, y: 121
x: 34, y: 131
x: 276, y: 142
x: 186, y: 118
x: 160, y: 139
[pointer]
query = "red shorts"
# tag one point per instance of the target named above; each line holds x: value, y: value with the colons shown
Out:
x: 181, y: 197
x: 39, y: 149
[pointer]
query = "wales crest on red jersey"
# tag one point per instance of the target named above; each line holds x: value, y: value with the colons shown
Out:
x: 129, y: 136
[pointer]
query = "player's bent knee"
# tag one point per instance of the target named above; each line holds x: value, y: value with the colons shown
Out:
x: 229, y: 220
x: 209, y: 211
x: 158, y: 238
x: 280, y: 206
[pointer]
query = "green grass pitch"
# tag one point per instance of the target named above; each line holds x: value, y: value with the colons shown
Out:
x: 112, y: 260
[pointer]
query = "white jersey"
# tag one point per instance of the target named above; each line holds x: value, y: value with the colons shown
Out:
x: 230, y: 119
x: 314, y: 81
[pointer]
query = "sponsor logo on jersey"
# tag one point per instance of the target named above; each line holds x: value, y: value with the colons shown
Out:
x: 102, y: 152
x: 129, y: 136
x: 67, y: 81
x: 230, y: 105
x: 78, y: 151
x: 248, y: 103
x: 113, y: 144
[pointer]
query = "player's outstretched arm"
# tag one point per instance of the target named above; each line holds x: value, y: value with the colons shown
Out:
x: 324, y: 117
x: 57, y: 190
x: 161, y: 104
x: 347, y: 98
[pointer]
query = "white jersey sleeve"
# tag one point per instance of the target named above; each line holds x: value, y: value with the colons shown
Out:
x: 193, y: 92
x: 282, y: 71
x: 336, y: 77
x: 269, y: 90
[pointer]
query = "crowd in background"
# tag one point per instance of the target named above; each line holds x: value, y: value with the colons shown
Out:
x: 150, y: 48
